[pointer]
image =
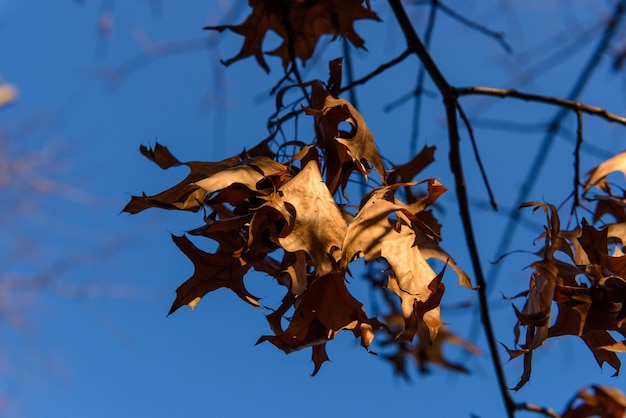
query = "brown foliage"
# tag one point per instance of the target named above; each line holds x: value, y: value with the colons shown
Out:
x: 300, y: 24
x: 583, y: 274
x: 283, y: 217
x: 597, y: 401
x: 260, y: 207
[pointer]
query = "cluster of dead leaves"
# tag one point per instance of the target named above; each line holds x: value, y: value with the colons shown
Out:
x: 581, y: 273
x: 282, y: 219
x: 597, y: 401
x: 300, y: 24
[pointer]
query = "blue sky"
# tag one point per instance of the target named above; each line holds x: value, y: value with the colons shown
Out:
x: 87, y: 335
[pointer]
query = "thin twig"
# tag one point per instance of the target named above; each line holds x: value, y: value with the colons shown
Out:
x: 498, y: 36
x: 579, y: 143
x: 382, y: 68
x: 531, y: 97
x: 479, y: 161
x: 450, y: 101
x: 291, y: 50
x: 538, y: 409
x: 553, y: 126
x: 347, y: 58
x: 417, y: 106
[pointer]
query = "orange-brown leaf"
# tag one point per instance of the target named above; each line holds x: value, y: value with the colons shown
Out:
x: 319, y: 227
x: 211, y: 272
x: 597, y: 401
x: 329, y: 112
x: 185, y: 195
x: 615, y: 163
x: 307, y: 22
x: 413, y: 277
x: 325, y: 308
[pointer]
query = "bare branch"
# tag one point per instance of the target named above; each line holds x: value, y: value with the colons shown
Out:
x: 579, y: 143
x: 563, y: 103
x: 382, y: 68
x: 417, y: 107
x: 481, y: 167
x: 554, y: 125
x: 548, y: 412
x: 498, y: 36
x: 450, y: 101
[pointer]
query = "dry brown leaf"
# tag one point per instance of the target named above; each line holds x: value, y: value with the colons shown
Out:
x: 616, y: 163
x: 296, y: 269
x: 619, y: 347
x: 308, y: 21
x: 324, y: 309
x: 185, y: 195
x: 211, y: 272
x: 369, y: 229
x: 589, y: 290
x: 341, y: 147
x: 318, y: 227
x: 249, y: 173
x: 597, y: 401
x: 413, y: 277
x: 407, y: 172
x: 426, y: 352
x: 380, y: 218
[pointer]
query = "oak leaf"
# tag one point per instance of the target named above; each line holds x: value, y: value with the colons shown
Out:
x: 185, y: 195
x: 381, y: 217
x: 300, y: 24
x: 318, y: 227
x: 324, y: 309
x: 248, y: 173
x: 211, y: 272
x: 415, y: 282
x: 598, y: 173
x: 356, y: 147
x: 586, y: 282
x: 406, y: 173
x: 597, y: 401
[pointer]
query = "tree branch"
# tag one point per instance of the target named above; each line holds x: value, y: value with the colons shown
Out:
x: 531, y: 97
x: 538, y: 409
x: 417, y: 106
x: 481, y: 167
x: 498, y: 36
x: 382, y: 68
x: 450, y: 102
x: 554, y: 125
x: 579, y: 143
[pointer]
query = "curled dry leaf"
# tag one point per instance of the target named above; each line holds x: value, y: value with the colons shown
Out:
x: 587, y: 282
x: 249, y: 173
x: 211, y: 272
x: 344, y: 151
x: 597, y: 401
x: 186, y: 195
x: 597, y: 174
x: 406, y: 173
x: 319, y: 227
x: 306, y: 22
x: 257, y: 206
x: 324, y: 309
x: 415, y: 282
x: 380, y: 219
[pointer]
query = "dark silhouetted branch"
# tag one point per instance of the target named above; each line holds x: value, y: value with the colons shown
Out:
x: 448, y: 92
